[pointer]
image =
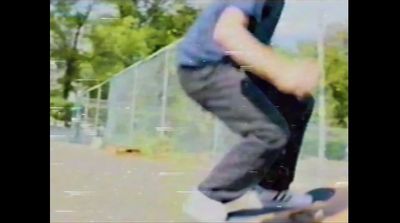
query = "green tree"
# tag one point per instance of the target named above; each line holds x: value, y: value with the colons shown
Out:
x: 336, y: 71
x: 337, y: 85
x: 66, y: 26
x: 141, y: 28
x: 117, y: 45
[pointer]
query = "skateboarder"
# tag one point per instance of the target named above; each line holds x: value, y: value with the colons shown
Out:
x: 226, y: 65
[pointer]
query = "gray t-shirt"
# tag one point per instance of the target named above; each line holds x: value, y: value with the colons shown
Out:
x: 198, y: 47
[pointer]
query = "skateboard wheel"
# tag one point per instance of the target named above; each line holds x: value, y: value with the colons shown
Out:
x: 302, y: 217
x: 319, y: 215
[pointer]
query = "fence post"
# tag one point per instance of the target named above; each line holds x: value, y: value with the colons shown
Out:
x: 77, y: 117
x: 97, y: 113
x: 164, y: 96
x: 85, y: 110
x: 321, y: 99
x: 133, y: 104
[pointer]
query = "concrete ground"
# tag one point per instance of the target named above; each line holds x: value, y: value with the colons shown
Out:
x: 89, y: 185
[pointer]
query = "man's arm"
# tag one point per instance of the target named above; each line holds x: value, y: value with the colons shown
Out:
x: 232, y: 35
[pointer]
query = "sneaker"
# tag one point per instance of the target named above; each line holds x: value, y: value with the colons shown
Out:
x: 283, y: 199
x: 204, y: 209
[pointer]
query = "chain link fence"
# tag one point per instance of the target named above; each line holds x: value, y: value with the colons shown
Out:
x: 95, y: 106
x: 144, y: 108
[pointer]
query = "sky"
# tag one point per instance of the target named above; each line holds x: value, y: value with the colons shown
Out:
x: 301, y: 20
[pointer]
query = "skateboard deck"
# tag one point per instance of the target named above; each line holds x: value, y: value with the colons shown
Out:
x: 328, y: 201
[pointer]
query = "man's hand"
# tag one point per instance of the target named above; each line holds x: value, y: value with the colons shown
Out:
x: 298, y: 78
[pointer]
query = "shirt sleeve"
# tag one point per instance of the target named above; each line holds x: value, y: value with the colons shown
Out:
x: 246, y: 6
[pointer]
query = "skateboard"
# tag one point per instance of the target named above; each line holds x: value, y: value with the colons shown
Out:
x: 328, y: 201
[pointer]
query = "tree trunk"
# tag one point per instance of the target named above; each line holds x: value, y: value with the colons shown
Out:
x: 72, y: 63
